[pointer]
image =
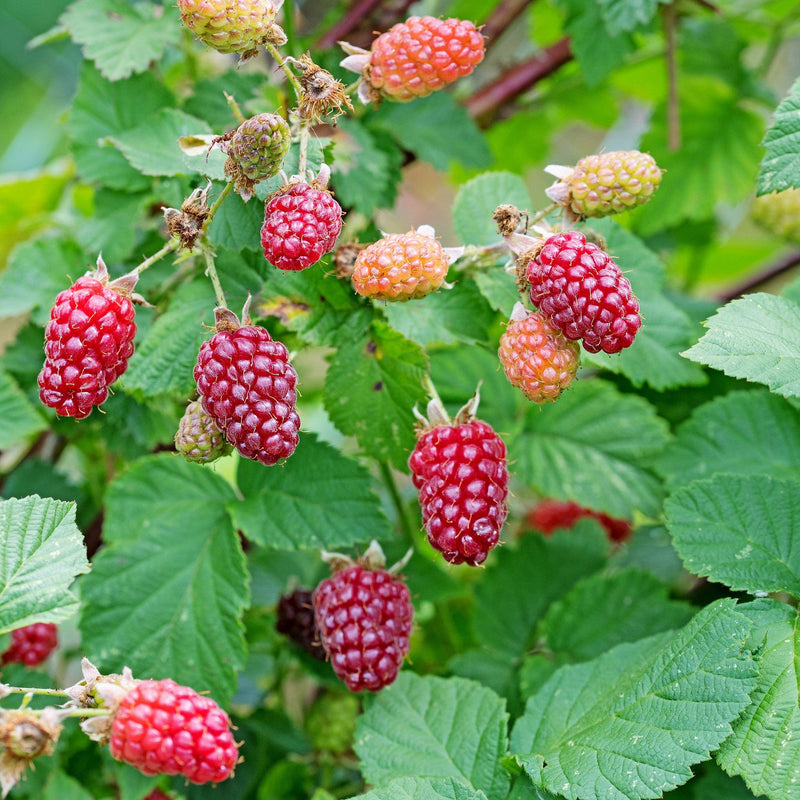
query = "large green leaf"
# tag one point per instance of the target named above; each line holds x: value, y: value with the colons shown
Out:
x: 423, y: 789
x: 602, y: 611
x: 765, y: 745
x: 780, y: 168
x: 756, y: 338
x: 437, y: 728
x: 166, y: 595
x: 119, y: 37
x: 319, y: 498
x: 743, y: 433
x: 374, y: 381
x: 476, y: 201
x: 42, y: 554
x: 18, y: 418
x: 593, y: 446
x: 630, y: 724
x: 740, y: 530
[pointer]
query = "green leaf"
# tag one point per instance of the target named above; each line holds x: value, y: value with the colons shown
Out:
x: 103, y: 110
x: 780, y: 168
x: 374, y: 381
x: 61, y: 786
x: 318, y: 498
x: 167, y: 592
x: 133, y: 785
x: 742, y: 433
x: 108, y: 228
x: 164, y: 361
x: 476, y: 201
x: 630, y: 724
x: 18, y: 418
x: 42, y: 554
x: 119, y: 37
x: 755, y: 338
x: 450, y: 316
x: 621, y: 16
x: 603, y: 611
x: 498, y: 288
x: 436, y: 129
x: 437, y: 728
x: 596, y: 50
x: 714, y: 161
x: 237, y: 225
x: 423, y: 789
x: 36, y: 272
x: 765, y: 745
x: 521, y: 582
x: 593, y: 431
x: 152, y: 147
x: 739, y: 530
x: 655, y: 356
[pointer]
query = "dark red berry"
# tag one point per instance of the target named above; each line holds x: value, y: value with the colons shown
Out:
x: 157, y: 794
x: 88, y: 342
x: 461, y: 474
x: 32, y: 644
x: 300, y: 225
x: 550, y: 515
x: 161, y: 727
x: 296, y: 622
x: 364, y: 619
x: 247, y: 385
x: 581, y: 290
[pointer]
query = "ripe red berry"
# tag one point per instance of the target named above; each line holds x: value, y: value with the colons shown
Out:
x: 296, y: 622
x: 161, y: 727
x: 461, y: 474
x: 301, y: 224
x: 581, y: 290
x: 157, y: 794
x: 423, y: 54
x: 88, y: 342
x: 537, y: 358
x: 32, y: 644
x: 247, y: 385
x: 549, y: 515
x: 401, y: 266
x: 364, y: 619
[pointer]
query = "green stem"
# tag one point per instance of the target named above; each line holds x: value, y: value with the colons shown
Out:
x: 303, y: 157
x: 211, y: 271
x: 237, y: 112
x: 33, y: 690
x: 542, y: 214
x: 402, y: 513
x: 427, y: 383
x: 171, y: 245
x: 215, y: 206
x: 292, y: 78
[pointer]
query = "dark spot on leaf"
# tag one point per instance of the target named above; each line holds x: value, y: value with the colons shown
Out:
x: 378, y: 386
x: 371, y: 347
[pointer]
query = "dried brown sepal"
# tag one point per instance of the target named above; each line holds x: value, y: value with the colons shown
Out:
x: 508, y: 218
x: 225, y: 320
x: 25, y: 735
x: 188, y: 222
x: 242, y: 185
x: 344, y: 259
x: 322, y: 95
x: 275, y: 36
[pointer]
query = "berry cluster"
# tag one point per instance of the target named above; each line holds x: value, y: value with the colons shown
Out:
x: 31, y: 644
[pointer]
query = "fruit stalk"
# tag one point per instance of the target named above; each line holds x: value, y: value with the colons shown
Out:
x: 211, y: 271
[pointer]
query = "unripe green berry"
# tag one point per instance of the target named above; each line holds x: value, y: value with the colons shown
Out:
x: 198, y: 438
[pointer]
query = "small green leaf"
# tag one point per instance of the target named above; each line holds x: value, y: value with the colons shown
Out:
x: 61, y: 786
x: 423, y: 789
x: 42, y: 554
x: 449, y: 316
x: 318, y: 498
x: 237, y: 225
x: 476, y: 201
x: 630, y: 724
x: 756, y: 338
x: 622, y: 16
x: 593, y: 430
x: 603, y: 611
x: 765, y: 745
x: 741, y: 433
x: 373, y: 383
x: 436, y: 727
x: 436, y: 129
x: 103, y: 110
x: 166, y: 595
x: 18, y: 418
x: 499, y: 288
x: 108, y: 229
x: 119, y: 37
x: 739, y: 530
x: 780, y: 168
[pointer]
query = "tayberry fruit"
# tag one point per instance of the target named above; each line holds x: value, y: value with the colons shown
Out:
x: 550, y: 515
x: 779, y: 213
x: 229, y: 26
x: 31, y: 644
x: 198, y: 438
x: 296, y: 622
x: 364, y: 619
x: 583, y: 293
x: 161, y: 727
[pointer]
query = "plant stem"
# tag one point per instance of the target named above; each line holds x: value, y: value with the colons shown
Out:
x: 302, y: 160
x: 541, y: 214
x: 431, y: 389
x: 785, y: 264
x: 397, y: 500
x: 211, y: 271
x: 348, y: 22
x: 215, y: 206
x: 673, y: 101
x: 501, y: 18
x: 171, y: 245
x: 35, y: 690
x: 237, y: 112
x: 291, y: 77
